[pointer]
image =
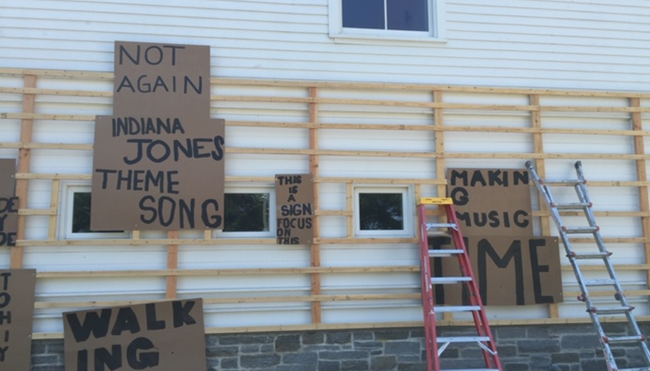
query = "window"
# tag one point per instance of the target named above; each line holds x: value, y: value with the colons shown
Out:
x: 385, y: 19
x: 75, y: 215
x: 249, y: 212
x: 383, y: 211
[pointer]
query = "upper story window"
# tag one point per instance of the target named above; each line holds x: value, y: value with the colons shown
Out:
x: 75, y: 214
x: 387, y: 19
x: 249, y: 211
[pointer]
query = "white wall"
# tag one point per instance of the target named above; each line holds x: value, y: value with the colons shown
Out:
x: 602, y: 45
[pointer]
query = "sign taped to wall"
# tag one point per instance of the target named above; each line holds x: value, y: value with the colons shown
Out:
x: 294, y: 209
x: 491, y: 202
x: 17, y: 287
x: 161, y: 336
x: 8, y: 203
x: 159, y: 160
x: 509, y: 270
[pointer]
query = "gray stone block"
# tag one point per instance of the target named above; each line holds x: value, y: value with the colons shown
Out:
x: 259, y: 361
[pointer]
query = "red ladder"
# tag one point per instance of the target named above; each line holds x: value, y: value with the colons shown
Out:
x: 436, y: 345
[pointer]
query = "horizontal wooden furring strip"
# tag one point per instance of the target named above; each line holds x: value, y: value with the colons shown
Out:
x: 380, y: 325
x: 92, y: 75
x: 203, y: 242
x: 229, y: 271
x: 207, y: 301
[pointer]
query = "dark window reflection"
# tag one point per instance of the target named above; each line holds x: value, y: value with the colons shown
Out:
x: 381, y: 211
x: 407, y: 15
x: 363, y: 14
x: 246, y: 212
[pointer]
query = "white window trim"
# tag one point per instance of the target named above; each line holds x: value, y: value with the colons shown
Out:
x: 68, y: 189
x: 437, y: 26
x: 272, y: 212
x: 408, y: 209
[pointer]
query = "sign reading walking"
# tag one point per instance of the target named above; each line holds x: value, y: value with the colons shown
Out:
x: 159, y: 160
x: 163, y: 336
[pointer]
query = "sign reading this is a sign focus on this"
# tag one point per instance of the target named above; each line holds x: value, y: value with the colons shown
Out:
x: 161, y: 336
x: 491, y: 202
x: 294, y: 209
x: 159, y: 160
x: 17, y: 287
x: 8, y: 203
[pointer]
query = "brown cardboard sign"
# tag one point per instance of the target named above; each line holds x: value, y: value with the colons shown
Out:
x: 491, y: 202
x: 8, y: 203
x: 158, y: 161
x: 510, y: 270
x: 294, y: 209
x: 162, y: 336
x: 17, y: 287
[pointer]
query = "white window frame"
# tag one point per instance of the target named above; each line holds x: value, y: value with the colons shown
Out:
x: 272, y: 212
x: 408, y: 210
x: 66, y: 210
x: 436, y: 33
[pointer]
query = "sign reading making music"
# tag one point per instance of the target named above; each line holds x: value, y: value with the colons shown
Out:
x: 159, y: 160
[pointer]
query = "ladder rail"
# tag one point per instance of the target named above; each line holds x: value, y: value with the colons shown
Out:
x: 436, y: 346
x: 625, y: 308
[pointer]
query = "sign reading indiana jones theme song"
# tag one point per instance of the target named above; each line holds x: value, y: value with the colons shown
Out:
x: 294, y: 209
x: 162, y: 336
x: 159, y: 160
x: 491, y: 202
x: 8, y: 203
x: 17, y: 287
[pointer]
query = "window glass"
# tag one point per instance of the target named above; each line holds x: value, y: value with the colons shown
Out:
x: 74, y: 220
x: 363, y: 14
x: 246, y: 212
x: 381, y: 211
x: 404, y: 15
x: 407, y: 15
x: 81, y: 213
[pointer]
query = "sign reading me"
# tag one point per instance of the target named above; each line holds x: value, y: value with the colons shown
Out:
x: 159, y: 160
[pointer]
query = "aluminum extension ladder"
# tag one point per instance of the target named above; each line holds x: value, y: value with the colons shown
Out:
x: 623, y: 310
x: 435, y: 345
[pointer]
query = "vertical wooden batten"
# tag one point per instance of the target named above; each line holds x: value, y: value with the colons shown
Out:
x: 540, y: 166
x: 316, y: 308
x: 24, y: 161
x: 172, y: 264
x: 642, y: 176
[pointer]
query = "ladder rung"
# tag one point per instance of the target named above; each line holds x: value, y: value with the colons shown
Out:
x: 443, y: 280
x: 611, y: 310
x: 445, y: 252
x: 590, y: 255
x: 452, y: 309
x: 463, y: 339
x: 597, y: 282
x: 624, y: 339
x: 566, y: 229
x: 441, y: 225
x: 572, y: 206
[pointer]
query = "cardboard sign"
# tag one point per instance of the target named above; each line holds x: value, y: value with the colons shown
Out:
x: 294, y: 209
x: 508, y: 270
x: 491, y: 202
x: 158, y: 162
x: 163, y: 336
x: 17, y: 287
x: 8, y: 203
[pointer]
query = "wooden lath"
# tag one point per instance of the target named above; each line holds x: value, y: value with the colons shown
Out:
x: 312, y: 102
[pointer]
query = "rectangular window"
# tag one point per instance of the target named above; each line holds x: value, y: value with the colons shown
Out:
x: 249, y: 212
x: 387, y: 19
x: 383, y: 211
x: 75, y: 215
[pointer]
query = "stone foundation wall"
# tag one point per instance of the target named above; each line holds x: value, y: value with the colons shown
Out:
x: 521, y: 348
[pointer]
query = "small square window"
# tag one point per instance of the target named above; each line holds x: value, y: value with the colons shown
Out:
x: 75, y: 215
x: 383, y: 211
x: 249, y: 212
